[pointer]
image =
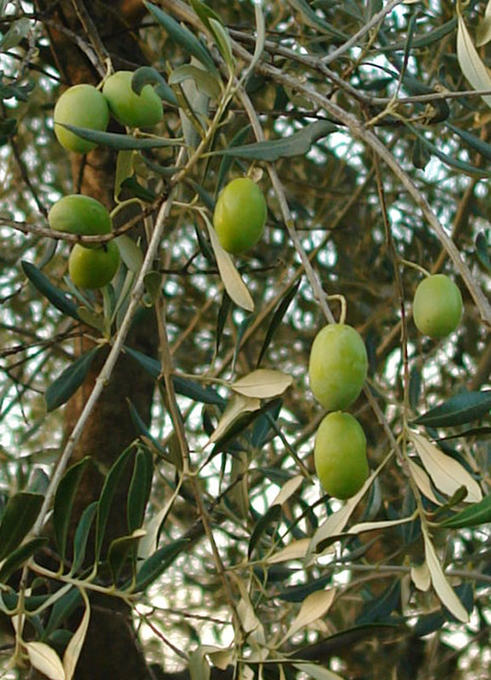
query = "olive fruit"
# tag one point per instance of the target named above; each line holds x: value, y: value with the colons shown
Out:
x: 128, y: 107
x: 79, y: 214
x: 437, y: 306
x: 240, y: 214
x: 93, y: 267
x: 83, y: 106
x: 338, y: 366
x: 340, y: 455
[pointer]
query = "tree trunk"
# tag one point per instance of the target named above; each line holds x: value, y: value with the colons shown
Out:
x: 107, y: 28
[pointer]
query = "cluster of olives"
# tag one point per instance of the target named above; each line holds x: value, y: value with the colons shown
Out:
x: 87, y: 107
x: 338, y: 367
x: 89, y: 266
x: 93, y: 266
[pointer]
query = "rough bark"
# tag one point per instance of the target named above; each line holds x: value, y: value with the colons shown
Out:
x: 111, y: 649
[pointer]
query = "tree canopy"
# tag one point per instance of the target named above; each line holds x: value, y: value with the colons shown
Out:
x: 162, y: 515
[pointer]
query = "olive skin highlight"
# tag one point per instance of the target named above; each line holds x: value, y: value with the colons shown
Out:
x: 128, y: 107
x: 79, y: 214
x: 240, y: 215
x: 437, y: 306
x: 82, y: 106
x: 340, y: 455
x: 338, y: 366
x: 91, y: 267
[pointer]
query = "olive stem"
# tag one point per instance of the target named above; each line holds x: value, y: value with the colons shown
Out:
x: 421, y: 269
x: 122, y: 205
x: 342, y: 300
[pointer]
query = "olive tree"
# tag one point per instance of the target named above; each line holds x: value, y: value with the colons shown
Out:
x: 162, y: 511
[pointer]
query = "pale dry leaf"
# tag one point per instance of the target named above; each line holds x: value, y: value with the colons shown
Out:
x: 336, y: 522
x: 383, y: 524
x: 288, y: 489
x: 421, y: 577
x: 483, y: 30
x: 446, y: 473
x: 45, y: 660
x: 74, y: 647
x: 470, y: 62
x: 422, y: 482
x: 313, y: 607
x: 148, y: 543
x: 237, y: 406
x: 263, y: 383
x: 442, y: 587
x: 221, y: 657
x: 235, y: 287
x: 296, y: 550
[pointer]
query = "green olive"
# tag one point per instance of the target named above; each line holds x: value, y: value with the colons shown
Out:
x: 128, y: 107
x: 83, y: 106
x: 340, y: 455
x: 338, y: 366
x: 437, y: 306
x: 79, y: 214
x: 93, y: 268
x: 240, y: 215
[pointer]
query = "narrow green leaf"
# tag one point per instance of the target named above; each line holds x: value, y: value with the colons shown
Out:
x: 222, y: 38
x: 313, y: 19
x: 107, y: 495
x: 121, y: 550
x: 299, y: 593
x: 205, y: 13
x: 157, y: 563
x: 482, y: 251
x: 185, y: 386
x: 205, y: 81
x: 18, y: 517
x: 428, y: 38
x: 140, y: 425
x: 414, y: 386
x: 267, y: 522
x: 62, y: 509
x: 82, y: 536
x: 140, y: 487
x: 460, y: 409
x: 478, y: 513
x: 56, y: 296
x: 119, y: 141
x: 19, y: 556
x: 448, y: 160
x: 479, y: 145
x: 147, y: 75
x: 297, y: 144
x: 66, y: 384
x: 277, y: 318
x: 62, y: 610
x: 183, y: 36
x: 222, y: 318
x: 381, y: 607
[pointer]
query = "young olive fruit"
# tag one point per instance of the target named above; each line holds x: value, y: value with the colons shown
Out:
x: 83, y: 106
x: 91, y: 267
x: 437, y: 306
x: 338, y: 366
x: 240, y: 215
x: 340, y: 455
x: 79, y: 214
x: 128, y: 107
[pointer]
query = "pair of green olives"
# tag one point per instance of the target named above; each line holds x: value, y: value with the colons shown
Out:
x: 89, y: 266
x: 338, y: 367
x: 85, y: 106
